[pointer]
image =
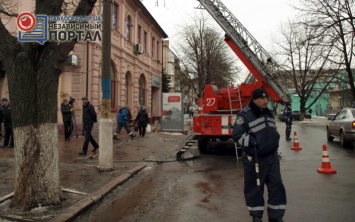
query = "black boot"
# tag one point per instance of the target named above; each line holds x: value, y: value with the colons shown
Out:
x: 94, y: 150
x: 132, y: 136
x: 276, y: 220
x: 115, y: 137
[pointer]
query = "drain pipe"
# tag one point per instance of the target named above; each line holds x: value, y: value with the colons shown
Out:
x: 87, y: 68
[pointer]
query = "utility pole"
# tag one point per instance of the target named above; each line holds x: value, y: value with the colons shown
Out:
x: 105, y: 127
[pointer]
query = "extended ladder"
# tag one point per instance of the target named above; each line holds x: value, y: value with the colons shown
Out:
x: 260, y: 60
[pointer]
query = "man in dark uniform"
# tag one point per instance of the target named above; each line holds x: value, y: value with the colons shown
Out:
x: 256, y: 132
x: 89, y: 118
x: 287, y: 115
x: 6, y: 115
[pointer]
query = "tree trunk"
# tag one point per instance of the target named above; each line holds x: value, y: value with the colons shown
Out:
x: 37, y: 170
x: 33, y: 89
x: 33, y: 72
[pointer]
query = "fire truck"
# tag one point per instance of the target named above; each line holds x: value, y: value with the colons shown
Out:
x: 217, y: 108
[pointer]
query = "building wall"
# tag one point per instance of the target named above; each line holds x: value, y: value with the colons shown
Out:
x: 132, y: 73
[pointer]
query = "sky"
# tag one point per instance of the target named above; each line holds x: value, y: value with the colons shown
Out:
x: 260, y: 17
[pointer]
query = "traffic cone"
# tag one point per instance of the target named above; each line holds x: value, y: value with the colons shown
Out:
x: 296, y: 145
x: 326, y: 168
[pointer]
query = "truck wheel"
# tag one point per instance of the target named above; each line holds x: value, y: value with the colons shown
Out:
x: 224, y: 139
x: 202, y: 145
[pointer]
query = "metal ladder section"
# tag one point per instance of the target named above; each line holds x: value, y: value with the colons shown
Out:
x: 230, y: 107
x: 256, y: 54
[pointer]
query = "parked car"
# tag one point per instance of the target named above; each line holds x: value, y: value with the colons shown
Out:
x: 296, y: 116
x: 342, y: 126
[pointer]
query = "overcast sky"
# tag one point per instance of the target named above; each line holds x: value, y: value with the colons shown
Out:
x: 260, y: 17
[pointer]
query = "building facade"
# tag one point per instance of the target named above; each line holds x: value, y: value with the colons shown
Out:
x: 136, y: 62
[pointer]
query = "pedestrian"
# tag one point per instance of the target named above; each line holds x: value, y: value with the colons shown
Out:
x: 89, y: 118
x: 310, y: 111
x: 123, y: 118
x: 6, y: 118
x: 256, y: 132
x: 66, y: 110
x: 142, y: 120
x: 190, y: 113
x: 287, y: 115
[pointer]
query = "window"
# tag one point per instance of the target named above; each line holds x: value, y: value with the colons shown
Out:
x: 153, y: 40
x: 157, y: 49
x: 128, y: 28
x: 142, y: 90
x: 113, y: 87
x: 139, y: 34
x: 115, y: 16
x: 145, y: 41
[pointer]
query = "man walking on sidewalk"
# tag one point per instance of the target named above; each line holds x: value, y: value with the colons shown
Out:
x: 123, y: 119
x: 89, y: 118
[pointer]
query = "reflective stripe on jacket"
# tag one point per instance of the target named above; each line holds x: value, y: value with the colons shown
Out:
x: 256, y: 127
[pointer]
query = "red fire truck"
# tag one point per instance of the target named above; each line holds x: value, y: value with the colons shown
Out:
x: 217, y: 108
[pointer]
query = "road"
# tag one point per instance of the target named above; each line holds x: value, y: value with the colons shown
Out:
x: 210, y: 188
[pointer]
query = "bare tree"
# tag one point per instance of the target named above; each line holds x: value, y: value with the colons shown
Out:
x: 335, y: 23
x: 33, y: 73
x: 205, y: 55
x: 306, y: 63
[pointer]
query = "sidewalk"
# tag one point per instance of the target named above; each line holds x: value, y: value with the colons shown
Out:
x: 316, y: 120
x: 81, y: 175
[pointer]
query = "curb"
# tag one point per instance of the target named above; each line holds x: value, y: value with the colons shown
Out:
x: 76, y: 209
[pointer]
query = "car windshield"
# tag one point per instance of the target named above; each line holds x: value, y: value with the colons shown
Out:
x: 353, y: 112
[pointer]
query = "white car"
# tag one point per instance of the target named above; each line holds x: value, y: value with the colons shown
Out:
x: 342, y: 126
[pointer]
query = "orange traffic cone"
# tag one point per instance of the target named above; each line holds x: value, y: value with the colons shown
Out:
x: 296, y: 145
x: 326, y: 168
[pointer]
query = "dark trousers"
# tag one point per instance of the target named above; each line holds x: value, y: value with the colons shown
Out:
x: 8, y: 134
x: 125, y: 126
x: 89, y: 138
x: 141, y: 130
x: 67, y: 129
x: 288, y: 130
x: 269, y: 174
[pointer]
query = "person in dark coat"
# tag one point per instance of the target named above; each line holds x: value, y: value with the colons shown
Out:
x: 89, y: 118
x: 255, y: 130
x: 66, y: 110
x: 142, y: 120
x: 287, y: 114
x: 6, y: 118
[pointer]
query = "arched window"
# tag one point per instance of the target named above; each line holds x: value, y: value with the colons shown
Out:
x: 115, y: 16
x: 128, y: 91
x: 142, y: 84
x: 114, y: 95
x: 128, y: 28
